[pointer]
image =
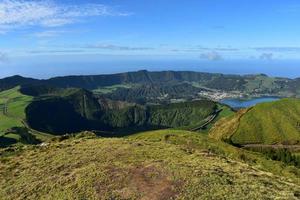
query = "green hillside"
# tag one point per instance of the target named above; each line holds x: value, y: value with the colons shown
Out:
x: 74, y: 110
x: 59, y: 111
x: 13, y: 127
x: 266, y: 123
x: 154, y: 93
x: 66, y: 111
x: 12, y: 108
x: 153, y: 165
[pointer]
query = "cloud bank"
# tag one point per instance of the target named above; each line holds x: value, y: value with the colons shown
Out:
x: 278, y: 49
x: 266, y: 56
x: 116, y: 47
x: 19, y: 13
x: 3, y: 58
x: 213, y: 56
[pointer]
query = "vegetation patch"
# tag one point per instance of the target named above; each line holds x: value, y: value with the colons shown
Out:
x: 113, y: 88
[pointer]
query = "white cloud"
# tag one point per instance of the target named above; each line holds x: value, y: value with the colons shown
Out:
x: 3, y: 58
x: 116, y: 47
x: 63, y: 51
x: 278, y: 49
x: 266, y: 56
x: 206, y: 49
x: 49, y: 33
x: 19, y: 13
x: 213, y: 56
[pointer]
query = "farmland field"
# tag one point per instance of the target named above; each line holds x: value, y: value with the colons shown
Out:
x: 13, y: 129
x: 12, y: 109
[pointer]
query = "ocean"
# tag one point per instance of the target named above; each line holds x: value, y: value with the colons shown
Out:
x: 45, y: 67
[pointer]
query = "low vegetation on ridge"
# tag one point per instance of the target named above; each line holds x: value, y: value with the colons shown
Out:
x: 153, y: 165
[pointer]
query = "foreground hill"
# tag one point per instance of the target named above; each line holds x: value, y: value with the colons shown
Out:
x: 266, y: 123
x: 154, y: 165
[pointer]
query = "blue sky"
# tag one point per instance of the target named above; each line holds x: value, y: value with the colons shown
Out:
x: 199, y: 30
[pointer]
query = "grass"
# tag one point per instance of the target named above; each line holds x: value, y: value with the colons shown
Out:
x: 194, y: 140
x: 12, y: 115
x: 152, y: 165
x: 226, y: 112
x: 270, y: 123
x: 13, y: 136
x: 265, y: 123
x: 16, y: 104
x: 226, y: 127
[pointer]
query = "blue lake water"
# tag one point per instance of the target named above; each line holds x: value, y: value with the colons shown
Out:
x: 239, y: 103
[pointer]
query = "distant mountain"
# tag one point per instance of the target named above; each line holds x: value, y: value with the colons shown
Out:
x: 266, y: 123
x: 251, y: 83
x: 91, y: 82
x: 13, y: 81
x: 151, y: 92
x: 160, y: 87
x: 139, y: 77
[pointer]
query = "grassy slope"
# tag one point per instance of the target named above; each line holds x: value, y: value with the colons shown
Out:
x: 15, y: 103
x: 153, y: 165
x: 185, y: 114
x: 226, y: 127
x: 265, y: 123
x: 270, y: 123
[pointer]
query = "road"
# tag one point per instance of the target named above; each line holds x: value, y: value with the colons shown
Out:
x: 208, y: 121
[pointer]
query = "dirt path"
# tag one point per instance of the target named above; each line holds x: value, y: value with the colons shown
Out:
x: 273, y: 146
